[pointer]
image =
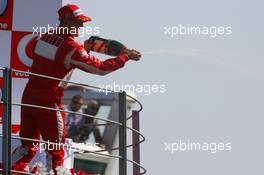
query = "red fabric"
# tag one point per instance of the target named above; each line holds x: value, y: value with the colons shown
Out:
x: 69, y: 11
x: 15, y: 128
x: 30, y: 47
x: 57, y: 67
x: 21, y: 167
x: 45, y: 122
x: 75, y: 172
x: 46, y: 92
x: 111, y: 64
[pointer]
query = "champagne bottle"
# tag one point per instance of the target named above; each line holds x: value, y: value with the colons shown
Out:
x: 106, y: 46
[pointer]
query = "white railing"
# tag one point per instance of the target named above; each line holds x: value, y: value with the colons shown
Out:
x: 137, y: 138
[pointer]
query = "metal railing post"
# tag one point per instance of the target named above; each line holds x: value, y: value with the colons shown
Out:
x: 6, y: 142
x: 122, y: 134
x: 135, y: 142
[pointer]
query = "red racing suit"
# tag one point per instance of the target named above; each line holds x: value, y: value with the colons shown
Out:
x: 53, y: 55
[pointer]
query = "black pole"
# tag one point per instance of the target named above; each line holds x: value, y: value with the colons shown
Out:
x: 6, y: 142
x: 122, y: 134
x: 135, y: 141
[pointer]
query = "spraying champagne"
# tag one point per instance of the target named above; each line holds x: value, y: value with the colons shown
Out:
x: 109, y: 47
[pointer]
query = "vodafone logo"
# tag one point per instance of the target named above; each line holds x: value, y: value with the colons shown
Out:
x: 21, y: 50
x: 19, y: 58
x: 3, y: 6
x: 6, y: 14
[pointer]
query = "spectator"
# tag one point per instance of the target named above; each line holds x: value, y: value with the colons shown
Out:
x: 74, y: 121
x: 90, y: 124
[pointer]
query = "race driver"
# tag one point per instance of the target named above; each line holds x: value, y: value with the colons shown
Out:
x: 56, y: 54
